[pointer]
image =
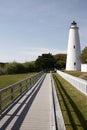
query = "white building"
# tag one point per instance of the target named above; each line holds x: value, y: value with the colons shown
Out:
x: 73, y: 52
x: 83, y: 67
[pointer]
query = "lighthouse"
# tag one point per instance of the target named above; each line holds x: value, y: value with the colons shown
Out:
x: 73, y: 51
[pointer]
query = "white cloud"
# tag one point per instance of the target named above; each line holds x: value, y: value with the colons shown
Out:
x: 32, y: 53
x: 24, y: 54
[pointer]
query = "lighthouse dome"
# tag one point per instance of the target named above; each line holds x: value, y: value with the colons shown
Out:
x: 73, y: 24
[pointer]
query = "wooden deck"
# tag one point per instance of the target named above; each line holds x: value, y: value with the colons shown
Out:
x: 34, y: 111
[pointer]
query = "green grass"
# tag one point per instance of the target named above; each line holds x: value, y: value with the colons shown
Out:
x: 79, y: 74
x: 6, y: 80
x: 73, y: 104
x: 75, y: 73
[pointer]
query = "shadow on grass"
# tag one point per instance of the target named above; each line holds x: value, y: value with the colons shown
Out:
x: 79, y: 115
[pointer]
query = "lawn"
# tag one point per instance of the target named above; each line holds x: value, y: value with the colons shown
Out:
x: 79, y: 74
x: 73, y: 104
x: 6, y: 80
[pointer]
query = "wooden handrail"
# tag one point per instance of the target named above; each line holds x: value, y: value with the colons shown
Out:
x: 9, y: 94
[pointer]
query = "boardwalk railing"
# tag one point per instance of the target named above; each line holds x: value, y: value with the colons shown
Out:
x: 80, y: 84
x: 9, y: 94
x: 59, y: 121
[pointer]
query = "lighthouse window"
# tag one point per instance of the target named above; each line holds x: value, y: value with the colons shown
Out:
x: 74, y: 46
x: 74, y: 63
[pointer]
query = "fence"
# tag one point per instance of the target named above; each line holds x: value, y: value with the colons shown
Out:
x: 80, y: 84
x: 59, y: 121
x: 9, y: 94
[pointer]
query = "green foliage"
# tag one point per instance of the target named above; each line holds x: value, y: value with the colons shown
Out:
x: 83, y: 56
x: 19, y: 68
x: 2, y: 68
x: 45, y: 62
x: 29, y: 66
x: 60, y: 61
x: 14, y: 68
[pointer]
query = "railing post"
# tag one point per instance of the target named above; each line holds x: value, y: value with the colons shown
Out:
x: 20, y: 88
x: 26, y: 84
x: 0, y: 102
x: 30, y: 81
x: 34, y: 79
x: 12, y: 93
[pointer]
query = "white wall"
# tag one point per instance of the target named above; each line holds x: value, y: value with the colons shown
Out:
x: 83, y: 67
x: 78, y: 83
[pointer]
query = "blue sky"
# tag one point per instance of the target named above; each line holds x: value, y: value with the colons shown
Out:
x: 29, y: 28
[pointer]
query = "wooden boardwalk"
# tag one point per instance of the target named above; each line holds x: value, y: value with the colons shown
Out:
x: 34, y: 111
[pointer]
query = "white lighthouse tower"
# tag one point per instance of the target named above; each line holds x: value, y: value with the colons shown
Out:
x: 73, y: 52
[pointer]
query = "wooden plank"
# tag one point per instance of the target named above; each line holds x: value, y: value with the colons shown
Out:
x: 34, y: 111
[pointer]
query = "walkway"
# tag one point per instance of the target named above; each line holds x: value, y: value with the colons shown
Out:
x: 34, y: 111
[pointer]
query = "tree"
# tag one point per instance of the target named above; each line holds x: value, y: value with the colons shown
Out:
x: 2, y: 68
x: 60, y: 60
x: 29, y: 66
x: 45, y: 62
x: 83, y: 56
x: 14, y: 68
